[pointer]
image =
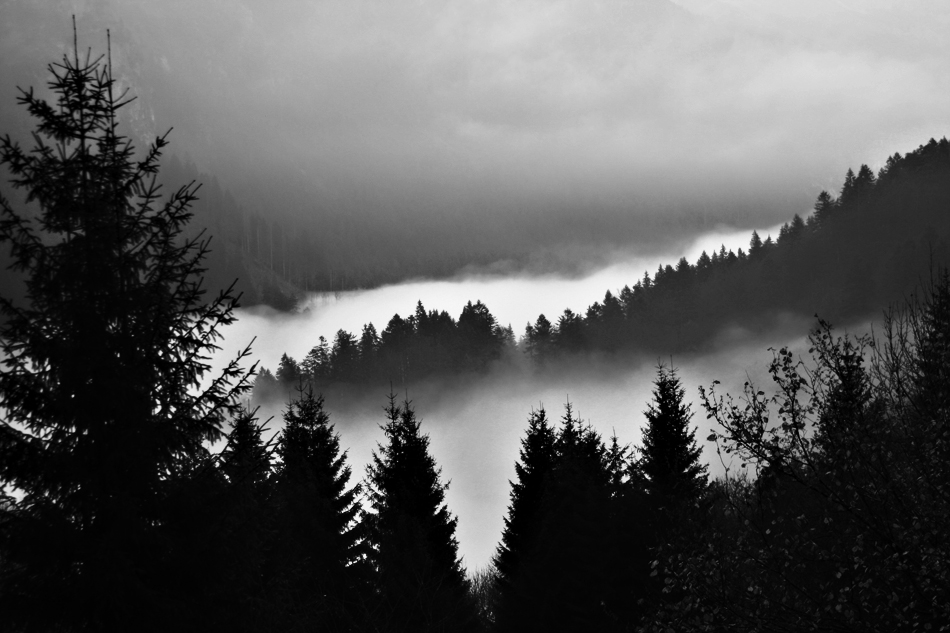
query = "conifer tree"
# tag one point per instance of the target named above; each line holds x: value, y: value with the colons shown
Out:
x: 245, y: 458
x: 105, y: 430
x: 755, y: 244
x: 344, y: 356
x: 316, y: 364
x: 577, y: 532
x: 849, y: 190
x: 319, y: 551
x: 480, y: 338
x: 288, y: 372
x: 824, y: 208
x: 247, y: 526
x: 538, y: 337
x: 523, y: 523
x: 420, y: 582
x: 704, y: 262
x: 266, y: 386
x: 669, y: 457
x: 368, y: 347
x: 629, y: 537
x: 569, y: 334
x: 554, y: 564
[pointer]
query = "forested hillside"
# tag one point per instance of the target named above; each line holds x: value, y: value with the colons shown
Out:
x: 867, y: 247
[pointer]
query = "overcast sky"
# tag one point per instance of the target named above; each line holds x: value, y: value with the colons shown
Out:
x: 602, y: 102
x: 576, y: 98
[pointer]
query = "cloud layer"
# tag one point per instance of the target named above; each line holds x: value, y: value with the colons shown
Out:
x: 497, y: 107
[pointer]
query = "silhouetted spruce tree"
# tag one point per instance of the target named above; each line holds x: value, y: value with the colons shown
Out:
x: 669, y: 457
x: 288, y: 372
x: 247, y: 526
x: 575, y: 537
x: 105, y: 426
x: 266, y: 386
x: 316, y: 364
x: 570, y: 333
x: 847, y: 189
x: 344, y: 356
x: 704, y: 262
x: 555, y: 566
x: 864, y: 182
x: 420, y: 582
x: 796, y: 228
x: 368, y: 350
x: 317, y: 556
x: 514, y: 577
x: 576, y: 532
x: 629, y: 537
x: 824, y: 208
x: 538, y: 338
x: 480, y: 338
x: 755, y: 245
x: 396, y: 340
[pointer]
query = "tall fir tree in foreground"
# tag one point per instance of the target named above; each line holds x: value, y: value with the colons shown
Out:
x: 246, y: 525
x: 575, y: 538
x: 420, y: 583
x: 106, y: 416
x: 514, y: 579
x: 318, y: 552
x: 670, y: 458
x: 556, y: 566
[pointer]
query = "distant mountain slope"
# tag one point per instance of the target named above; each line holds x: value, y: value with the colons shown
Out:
x: 349, y: 186
x: 874, y: 244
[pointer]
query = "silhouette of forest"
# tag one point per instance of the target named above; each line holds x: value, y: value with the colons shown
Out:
x: 856, y: 252
x: 136, y: 496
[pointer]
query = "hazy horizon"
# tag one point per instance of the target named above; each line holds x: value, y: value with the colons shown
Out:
x: 476, y: 423
x: 527, y: 127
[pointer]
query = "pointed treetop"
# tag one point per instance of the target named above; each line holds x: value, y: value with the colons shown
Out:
x: 670, y: 457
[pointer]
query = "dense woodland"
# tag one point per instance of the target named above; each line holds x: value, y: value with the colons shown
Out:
x: 135, y: 499
x: 853, y: 254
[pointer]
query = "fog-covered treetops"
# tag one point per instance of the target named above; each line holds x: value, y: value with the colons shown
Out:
x: 855, y: 252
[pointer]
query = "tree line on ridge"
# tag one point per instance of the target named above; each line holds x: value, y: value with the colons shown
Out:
x: 854, y: 253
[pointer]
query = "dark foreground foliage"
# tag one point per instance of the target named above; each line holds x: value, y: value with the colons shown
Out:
x: 105, y: 419
x: 841, y: 522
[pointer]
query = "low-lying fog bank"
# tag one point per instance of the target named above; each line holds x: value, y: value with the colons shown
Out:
x: 513, y: 300
x: 476, y: 422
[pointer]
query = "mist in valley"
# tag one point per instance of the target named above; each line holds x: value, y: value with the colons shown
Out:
x: 476, y: 421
